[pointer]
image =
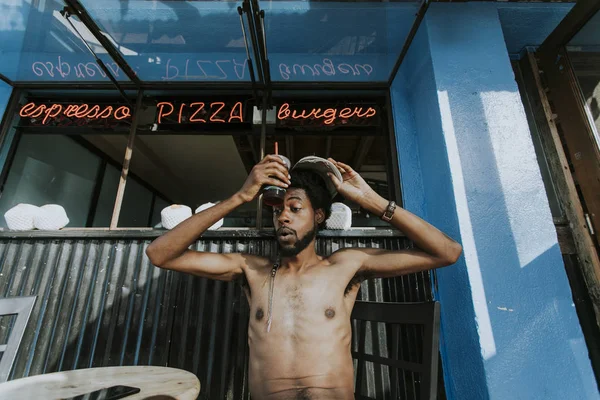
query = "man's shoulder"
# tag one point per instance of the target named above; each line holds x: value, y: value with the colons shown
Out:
x: 347, y: 255
x: 258, y: 263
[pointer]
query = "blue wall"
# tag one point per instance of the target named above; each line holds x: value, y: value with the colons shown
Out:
x: 528, y: 24
x: 509, y: 327
x: 427, y: 193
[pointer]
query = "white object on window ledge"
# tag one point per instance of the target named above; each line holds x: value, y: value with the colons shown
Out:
x: 20, y: 217
x: 217, y: 224
x: 341, y: 217
x: 174, y: 214
x: 51, y: 217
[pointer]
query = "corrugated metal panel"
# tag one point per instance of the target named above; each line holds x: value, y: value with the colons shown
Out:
x: 101, y: 303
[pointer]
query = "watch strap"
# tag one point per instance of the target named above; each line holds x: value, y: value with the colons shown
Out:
x: 389, y: 211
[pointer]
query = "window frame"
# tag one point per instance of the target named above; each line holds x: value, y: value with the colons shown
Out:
x: 11, y: 119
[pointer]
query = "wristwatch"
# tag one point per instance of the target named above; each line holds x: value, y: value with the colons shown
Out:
x: 389, y: 212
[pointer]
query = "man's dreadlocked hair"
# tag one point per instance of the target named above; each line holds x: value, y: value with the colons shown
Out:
x: 315, y: 189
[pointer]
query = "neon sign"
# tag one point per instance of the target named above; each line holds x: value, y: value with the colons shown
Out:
x: 201, y: 112
x: 80, y: 111
x: 169, y: 113
x: 329, y: 116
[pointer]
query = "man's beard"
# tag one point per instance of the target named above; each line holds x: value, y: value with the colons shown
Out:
x: 299, y: 245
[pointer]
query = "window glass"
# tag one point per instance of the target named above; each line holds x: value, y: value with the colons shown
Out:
x: 106, y: 199
x: 584, y: 54
x: 341, y: 41
x: 137, y: 205
x: 52, y: 169
x: 179, y: 40
x: 176, y: 40
x: 188, y: 170
x: 39, y: 44
x: 159, y: 204
x: 586, y: 66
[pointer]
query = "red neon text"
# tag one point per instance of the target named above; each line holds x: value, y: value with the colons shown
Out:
x: 328, y: 115
x: 200, y: 112
x: 81, y: 111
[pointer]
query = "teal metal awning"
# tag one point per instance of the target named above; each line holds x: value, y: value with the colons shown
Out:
x: 152, y: 43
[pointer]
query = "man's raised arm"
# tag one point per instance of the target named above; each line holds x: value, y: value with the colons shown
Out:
x: 171, y: 250
x: 435, y: 249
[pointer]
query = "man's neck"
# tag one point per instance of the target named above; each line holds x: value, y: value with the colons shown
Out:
x: 303, y: 260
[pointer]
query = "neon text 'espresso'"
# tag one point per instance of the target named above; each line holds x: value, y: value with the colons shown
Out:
x: 83, y: 111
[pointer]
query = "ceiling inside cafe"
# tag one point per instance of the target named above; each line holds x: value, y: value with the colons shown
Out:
x: 194, y: 169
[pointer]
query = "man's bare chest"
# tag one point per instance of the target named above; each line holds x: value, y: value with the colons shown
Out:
x: 300, y: 301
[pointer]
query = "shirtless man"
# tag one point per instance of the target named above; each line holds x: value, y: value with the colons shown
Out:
x: 299, y: 331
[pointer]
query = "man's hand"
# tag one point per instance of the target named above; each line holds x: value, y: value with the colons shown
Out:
x: 353, y: 187
x: 434, y: 249
x: 270, y: 171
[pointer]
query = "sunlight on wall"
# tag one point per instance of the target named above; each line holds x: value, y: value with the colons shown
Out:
x: 515, y: 175
x: 484, y: 326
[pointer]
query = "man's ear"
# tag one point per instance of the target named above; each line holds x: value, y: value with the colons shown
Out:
x: 320, y: 216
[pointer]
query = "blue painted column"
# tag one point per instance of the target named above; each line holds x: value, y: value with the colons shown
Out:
x: 509, y: 326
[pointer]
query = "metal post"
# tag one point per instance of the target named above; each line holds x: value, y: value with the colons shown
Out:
x: 394, y: 181
x: 66, y: 14
x: 248, y: 59
x: 255, y: 44
x: 7, y: 142
x: 261, y: 37
x: 89, y: 23
x: 582, y: 12
x: 128, y: 153
x: 6, y: 80
x: 9, y: 114
x: 263, y: 145
x: 411, y: 35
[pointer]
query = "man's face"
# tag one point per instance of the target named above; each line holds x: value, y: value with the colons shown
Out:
x: 295, y: 222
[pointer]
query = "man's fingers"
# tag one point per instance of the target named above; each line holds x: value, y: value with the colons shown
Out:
x: 338, y: 165
x: 335, y: 180
x: 274, y: 172
x: 275, y: 182
x: 273, y: 168
x: 279, y: 167
x: 270, y: 158
x: 273, y: 158
x: 345, y: 166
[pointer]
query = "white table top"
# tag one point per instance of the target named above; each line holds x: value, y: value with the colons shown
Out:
x: 153, y: 381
